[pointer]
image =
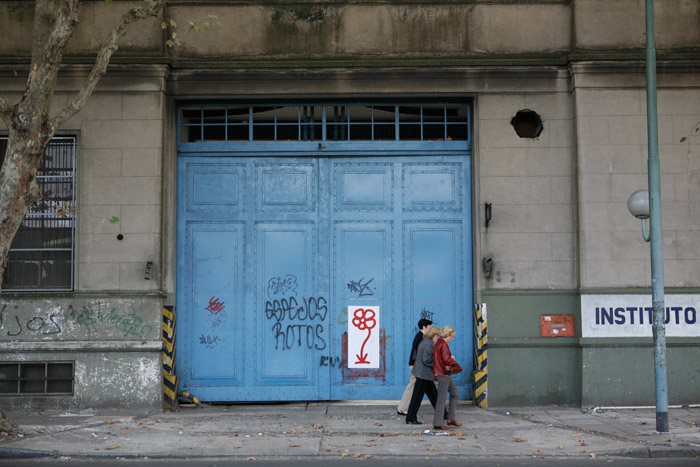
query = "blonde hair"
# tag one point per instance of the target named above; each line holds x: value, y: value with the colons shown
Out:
x: 432, y: 332
x: 447, y: 331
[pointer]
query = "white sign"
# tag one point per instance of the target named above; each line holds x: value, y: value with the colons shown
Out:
x: 363, y: 337
x: 631, y: 315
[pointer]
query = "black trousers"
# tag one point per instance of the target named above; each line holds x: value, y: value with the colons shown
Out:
x: 422, y: 387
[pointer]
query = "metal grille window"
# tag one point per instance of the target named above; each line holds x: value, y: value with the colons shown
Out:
x: 323, y: 122
x: 36, y: 378
x: 41, y: 255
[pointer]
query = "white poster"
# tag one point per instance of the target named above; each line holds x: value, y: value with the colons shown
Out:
x: 363, y: 337
x: 631, y: 315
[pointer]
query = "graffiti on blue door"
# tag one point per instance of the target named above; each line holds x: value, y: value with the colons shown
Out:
x: 296, y: 324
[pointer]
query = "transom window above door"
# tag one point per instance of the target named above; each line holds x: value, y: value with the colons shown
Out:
x: 325, y: 123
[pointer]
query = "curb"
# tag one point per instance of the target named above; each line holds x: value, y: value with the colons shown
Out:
x: 631, y: 453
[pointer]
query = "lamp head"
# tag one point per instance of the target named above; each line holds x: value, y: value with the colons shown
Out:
x: 638, y: 204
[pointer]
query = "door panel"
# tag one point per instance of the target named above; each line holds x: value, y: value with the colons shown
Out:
x: 272, y: 252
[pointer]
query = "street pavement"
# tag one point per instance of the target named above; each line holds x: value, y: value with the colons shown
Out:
x: 363, y: 430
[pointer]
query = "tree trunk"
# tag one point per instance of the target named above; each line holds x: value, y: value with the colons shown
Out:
x: 19, y: 190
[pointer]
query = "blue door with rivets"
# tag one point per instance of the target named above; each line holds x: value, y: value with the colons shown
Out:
x: 274, y: 252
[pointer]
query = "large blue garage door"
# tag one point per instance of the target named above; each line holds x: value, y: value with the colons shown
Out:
x: 281, y: 242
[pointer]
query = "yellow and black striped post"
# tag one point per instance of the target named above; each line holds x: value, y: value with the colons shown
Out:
x: 480, y: 350
x: 170, y: 379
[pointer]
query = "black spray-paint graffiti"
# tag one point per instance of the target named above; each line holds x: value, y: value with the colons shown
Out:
x: 35, y: 324
x: 308, y: 333
x: 209, y: 341
x: 362, y: 289
x: 426, y: 314
x: 131, y: 324
x: 330, y: 361
x: 277, y: 287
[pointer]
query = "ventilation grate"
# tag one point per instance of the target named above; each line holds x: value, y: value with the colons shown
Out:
x: 37, y: 378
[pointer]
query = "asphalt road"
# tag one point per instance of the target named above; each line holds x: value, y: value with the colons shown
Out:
x: 372, y: 462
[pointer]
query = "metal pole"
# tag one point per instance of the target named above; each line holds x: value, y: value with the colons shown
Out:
x: 657, y: 269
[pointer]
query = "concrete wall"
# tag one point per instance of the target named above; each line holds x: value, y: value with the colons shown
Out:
x: 560, y: 225
x: 529, y: 183
x: 612, y: 164
x: 114, y: 342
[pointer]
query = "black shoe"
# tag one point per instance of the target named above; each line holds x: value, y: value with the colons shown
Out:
x: 413, y: 422
x: 400, y: 412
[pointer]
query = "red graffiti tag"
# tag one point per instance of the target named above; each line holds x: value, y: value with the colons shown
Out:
x: 364, y: 319
x: 215, y: 306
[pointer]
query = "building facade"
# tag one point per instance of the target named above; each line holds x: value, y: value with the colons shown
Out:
x: 306, y: 181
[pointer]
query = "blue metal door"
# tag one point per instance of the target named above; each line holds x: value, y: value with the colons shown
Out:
x: 273, y: 251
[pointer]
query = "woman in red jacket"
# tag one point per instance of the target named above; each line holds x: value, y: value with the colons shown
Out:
x: 442, y: 357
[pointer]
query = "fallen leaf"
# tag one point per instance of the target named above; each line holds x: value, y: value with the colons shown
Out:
x: 334, y: 450
x: 461, y: 437
x: 111, y: 422
x: 294, y: 431
x: 357, y: 454
x: 378, y: 424
x: 539, y: 450
x: 368, y: 445
x: 114, y: 446
x: 592, y: 455
x: 238, y: 446
x: 642, y: 423
x: 294, y: 446
x: 520, y: 440
x: 432, y: 449
x: 367, y: 456
x: 318, y: 427
x: 233, y: 435
x: 252, y: 458
x: 503, y: 439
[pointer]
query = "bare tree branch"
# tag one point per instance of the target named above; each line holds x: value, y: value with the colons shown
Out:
x: 111, y: 44
x: 47, y: 53
x: 5, y: 109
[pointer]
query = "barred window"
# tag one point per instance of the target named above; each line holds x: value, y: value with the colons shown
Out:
x: 41, y: 255
x: 324, y: 122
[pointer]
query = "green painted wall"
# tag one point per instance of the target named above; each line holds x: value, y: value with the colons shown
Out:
x: 524, y: 368
x: 620, y: 372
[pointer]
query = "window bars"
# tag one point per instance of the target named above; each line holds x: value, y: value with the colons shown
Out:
x: 323, y: 122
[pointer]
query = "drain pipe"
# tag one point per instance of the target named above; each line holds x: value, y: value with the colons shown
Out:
x: 630, y: 407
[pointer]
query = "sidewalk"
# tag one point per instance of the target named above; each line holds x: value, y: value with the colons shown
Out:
x: 350, y: 429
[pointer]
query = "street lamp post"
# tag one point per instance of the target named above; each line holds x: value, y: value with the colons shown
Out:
x: 657, y: 270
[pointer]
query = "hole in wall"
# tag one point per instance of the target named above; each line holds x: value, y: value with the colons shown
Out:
x: 527, y: 123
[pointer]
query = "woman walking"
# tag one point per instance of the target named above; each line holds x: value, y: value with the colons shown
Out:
x: 441, y: 358
x: 423, y: 371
